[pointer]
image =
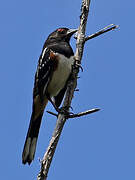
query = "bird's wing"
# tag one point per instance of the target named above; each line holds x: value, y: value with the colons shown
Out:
x: 44, y: 72
x: 42, y: 78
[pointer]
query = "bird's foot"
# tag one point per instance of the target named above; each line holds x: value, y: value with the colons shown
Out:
x: 62, y: 110
x: 65, y: 111
x: 78, y: 65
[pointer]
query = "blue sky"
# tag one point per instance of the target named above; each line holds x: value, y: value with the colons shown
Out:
x: 99, y: 146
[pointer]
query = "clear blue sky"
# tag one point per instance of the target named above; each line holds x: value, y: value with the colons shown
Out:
x: 100, y: 146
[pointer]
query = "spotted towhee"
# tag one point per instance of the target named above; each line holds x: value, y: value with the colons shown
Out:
x: 53, y: 71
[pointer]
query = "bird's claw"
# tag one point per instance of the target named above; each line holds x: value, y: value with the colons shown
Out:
x: 78, y: 65
x: 63, y: 110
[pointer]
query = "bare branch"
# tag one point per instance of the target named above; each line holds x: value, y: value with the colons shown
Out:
x: 45, y: 165
x: 102, y: 31
x: 84, y: 113
x: 52, y: 113
x: 90, y: 111
x: 72, y: 83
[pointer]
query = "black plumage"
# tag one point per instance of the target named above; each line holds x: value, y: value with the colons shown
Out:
x: 53, y: 71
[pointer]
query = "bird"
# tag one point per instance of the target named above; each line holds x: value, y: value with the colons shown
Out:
x: 53, y: 71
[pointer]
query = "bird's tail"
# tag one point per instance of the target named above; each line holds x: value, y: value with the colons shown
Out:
x: 32, y: 136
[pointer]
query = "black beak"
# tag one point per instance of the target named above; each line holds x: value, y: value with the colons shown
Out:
x: 70, y: 32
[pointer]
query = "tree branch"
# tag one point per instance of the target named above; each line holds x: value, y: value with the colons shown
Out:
x: 84, y: 113
x: 72, y: 83
x: 45, y: 164
x: 52, y: 113
x: 90, y: 111
x: 102, y: 31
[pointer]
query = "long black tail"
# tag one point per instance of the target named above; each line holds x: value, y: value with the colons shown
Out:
x: 31, y: 139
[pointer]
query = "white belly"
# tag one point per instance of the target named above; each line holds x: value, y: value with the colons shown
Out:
x: 61, y: 75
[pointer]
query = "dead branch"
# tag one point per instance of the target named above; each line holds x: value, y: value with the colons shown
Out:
x: 102, y: 31
x: 90, y: 111
x: 72, y: 83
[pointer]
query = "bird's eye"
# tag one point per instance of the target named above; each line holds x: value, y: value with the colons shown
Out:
x: 61, y: 31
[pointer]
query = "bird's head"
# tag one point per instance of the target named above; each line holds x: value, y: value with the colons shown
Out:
x: 61, y: 34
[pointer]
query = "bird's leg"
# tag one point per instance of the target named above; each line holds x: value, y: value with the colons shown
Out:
x: 65, y: 110
x: 54, y: 105
x: 59, y: 110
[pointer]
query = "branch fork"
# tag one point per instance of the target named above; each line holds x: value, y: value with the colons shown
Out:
x: 72, y: 115
x: 98, y: 33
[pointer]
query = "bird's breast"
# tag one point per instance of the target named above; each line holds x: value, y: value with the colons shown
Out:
x: 60, y: 74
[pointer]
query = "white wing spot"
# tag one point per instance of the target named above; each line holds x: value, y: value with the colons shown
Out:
x: 44, y: 52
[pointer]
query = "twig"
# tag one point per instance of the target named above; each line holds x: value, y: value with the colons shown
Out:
x: 52, y: 113
x: 78, y: 114
x: 84, y: 113
x: 102, y: 31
